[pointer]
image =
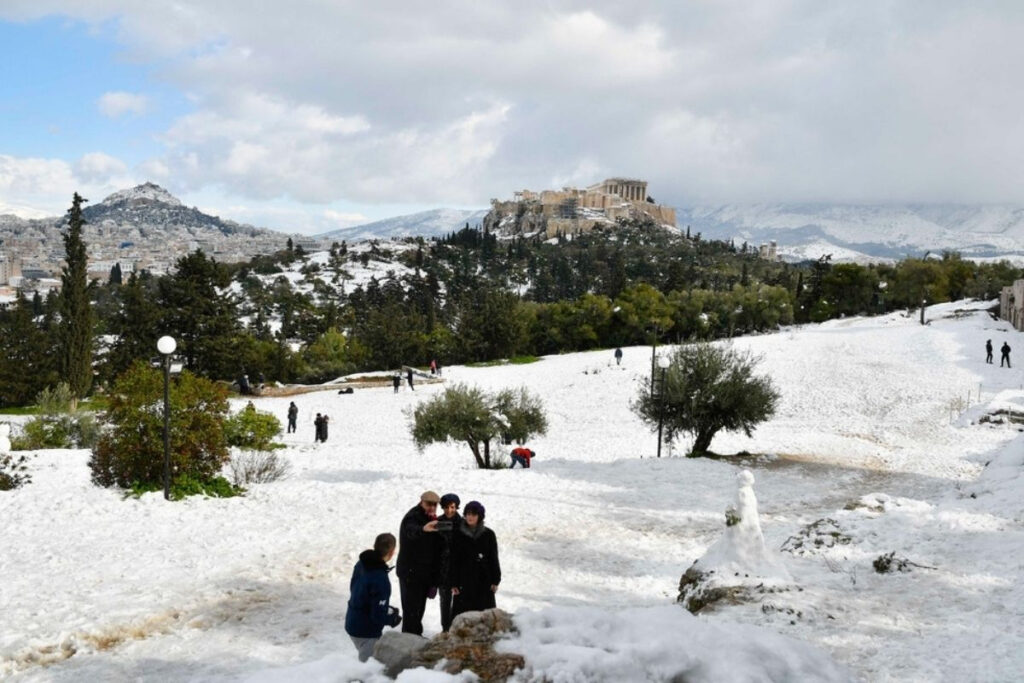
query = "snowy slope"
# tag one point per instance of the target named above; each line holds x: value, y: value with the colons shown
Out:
x: 433, y: 223
x: 871, y: 433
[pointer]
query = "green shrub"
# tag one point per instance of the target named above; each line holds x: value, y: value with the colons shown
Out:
x: 252, y: 429
x: 130, y: 450
x: 58, y: 423
x: 187, y: 485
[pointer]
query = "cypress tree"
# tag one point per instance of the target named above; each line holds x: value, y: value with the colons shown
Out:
x: 75, y: 329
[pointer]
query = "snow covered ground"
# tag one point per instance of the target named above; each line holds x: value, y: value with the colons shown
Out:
x: 874, y: 433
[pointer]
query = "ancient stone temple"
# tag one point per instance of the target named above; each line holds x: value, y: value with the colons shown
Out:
x: 571, y: 210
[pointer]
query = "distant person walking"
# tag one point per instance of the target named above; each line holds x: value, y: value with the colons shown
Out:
x: 323, y: 429
x: 618, y: 356
x: 988, y: 351
x: 318, y: 427
x: 1005, y: 350
x: 369, y: 591
x: 293, y: 416
x: 396, y: 381
x: 433, y: 367
x: 408, y: 376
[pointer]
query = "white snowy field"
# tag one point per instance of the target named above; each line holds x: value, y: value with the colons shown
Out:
x: 593, y: 538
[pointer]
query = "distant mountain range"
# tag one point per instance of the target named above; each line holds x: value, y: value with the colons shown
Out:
x: 802, y: 231
x: 433, y: 223
x: 866, y: 233
x: 149, y: 215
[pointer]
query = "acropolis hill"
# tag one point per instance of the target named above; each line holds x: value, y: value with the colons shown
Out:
x: 571, y: 210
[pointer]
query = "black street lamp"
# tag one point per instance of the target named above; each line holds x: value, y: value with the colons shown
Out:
x: 663, y: 363
x: 166, y: 345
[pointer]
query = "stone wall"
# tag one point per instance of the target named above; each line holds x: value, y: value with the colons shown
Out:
x: 1011, y: 304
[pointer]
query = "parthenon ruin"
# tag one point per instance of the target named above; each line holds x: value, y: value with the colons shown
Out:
x: 572, y: 210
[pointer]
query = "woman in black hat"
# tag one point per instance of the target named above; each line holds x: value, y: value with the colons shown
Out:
x: 476, y: 571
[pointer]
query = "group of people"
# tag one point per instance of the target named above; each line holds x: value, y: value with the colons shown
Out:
x: 1004, y: 351
x: 448, y: 556
x: 320, y: 423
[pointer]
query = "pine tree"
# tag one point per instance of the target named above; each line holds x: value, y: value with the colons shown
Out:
x: 76, y: 319
x: 26, y: 366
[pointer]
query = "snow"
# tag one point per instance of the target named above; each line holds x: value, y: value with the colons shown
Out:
x: 873, y: 433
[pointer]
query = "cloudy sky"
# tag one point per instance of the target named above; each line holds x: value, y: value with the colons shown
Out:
x: 310, y: 115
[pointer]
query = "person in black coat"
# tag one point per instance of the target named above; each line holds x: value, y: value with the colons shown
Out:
x: 988, y: 351
x: 447, y: 526
x: 476, y: 571
x: 408, y: 376
x: 293, y: 416
x: 418, y: 560
x: 1005, y: 359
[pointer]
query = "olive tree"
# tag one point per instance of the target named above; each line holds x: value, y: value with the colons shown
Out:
x: 470, y: 415
x: 707, y: 388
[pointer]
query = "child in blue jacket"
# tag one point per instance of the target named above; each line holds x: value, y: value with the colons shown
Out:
x: 369, y: 591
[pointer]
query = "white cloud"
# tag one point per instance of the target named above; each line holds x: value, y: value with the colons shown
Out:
x: 786, y: 100
x: 116, y: 104
x: 97, y: 166
x: 36, y: 187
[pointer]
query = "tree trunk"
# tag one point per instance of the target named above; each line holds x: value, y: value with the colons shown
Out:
x: 702, y: 443
x: 487, y: 454
x: 475, y: 447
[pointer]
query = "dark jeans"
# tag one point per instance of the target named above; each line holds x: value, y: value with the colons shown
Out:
x: 291, y: 425
x: 414, y: 603
x: 519, y: 459
x: 1005, y: 359
x: 445, y: 594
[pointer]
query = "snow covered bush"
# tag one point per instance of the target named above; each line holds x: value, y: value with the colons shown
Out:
x: 252, y: 429
x: 707, y: 388
x: 13, y: 471
x: 130, y: 449
x: 257, y: 467
x: 469, y: 415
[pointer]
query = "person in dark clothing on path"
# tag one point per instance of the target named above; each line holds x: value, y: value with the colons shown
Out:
x: 318, y: 427
x: 293, y: 416
x: 369, y: 592
x: 476, y: 571
x: 447, y: 527
x: 418, y: 555
x: 433, y: 367
x: 988, y: 351
x: 1005, y: 350
x: 396, y: 381
x: 618, y: 356
x: 408, y: 376
x: 323, y: 428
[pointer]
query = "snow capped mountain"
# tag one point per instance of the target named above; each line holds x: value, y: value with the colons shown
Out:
x: 147, y: 192
x: 433, y: 223
x: 866, y: 233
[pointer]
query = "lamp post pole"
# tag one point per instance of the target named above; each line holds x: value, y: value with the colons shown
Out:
x: 166, y: 346
x: 663, y: 363
x: 654, y: 350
